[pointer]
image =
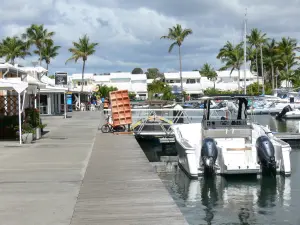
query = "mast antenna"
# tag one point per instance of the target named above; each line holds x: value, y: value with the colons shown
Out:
x: 245, y: 51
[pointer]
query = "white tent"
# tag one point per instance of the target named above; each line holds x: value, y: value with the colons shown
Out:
x: 19, y: 87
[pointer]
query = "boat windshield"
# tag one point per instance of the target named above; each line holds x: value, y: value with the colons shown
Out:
x: 238, y: 118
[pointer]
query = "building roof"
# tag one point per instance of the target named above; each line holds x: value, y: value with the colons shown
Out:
x: 235, y: 73
x: 78, y: 76
x: 12, y: 67
x: 48, y: 80
x: 37, y: 69
x: 102, y: 78
x: 185, y: 74
x: 138, y: 77
x: 120, y: 75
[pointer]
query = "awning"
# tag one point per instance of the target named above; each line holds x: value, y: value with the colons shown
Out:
x: 33, y: 81
x: 51, y: 89
x: 18, y: 86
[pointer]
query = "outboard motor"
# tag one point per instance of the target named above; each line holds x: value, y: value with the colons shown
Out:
x: 286, y: 109
x: 209, y: 154
x: 266, y: 155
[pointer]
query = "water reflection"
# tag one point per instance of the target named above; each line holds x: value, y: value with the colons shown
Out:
x: 231, y: 201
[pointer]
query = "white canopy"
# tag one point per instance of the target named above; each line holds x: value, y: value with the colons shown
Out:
x: 18, y: 86
x: 33, y: 81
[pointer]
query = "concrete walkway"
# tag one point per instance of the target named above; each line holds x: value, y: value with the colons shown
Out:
x: 39, y: 183
x: 76, y: 175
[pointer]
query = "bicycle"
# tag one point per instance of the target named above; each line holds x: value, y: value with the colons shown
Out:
x: 110, y: 128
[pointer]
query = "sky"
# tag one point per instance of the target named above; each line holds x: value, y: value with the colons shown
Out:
x: 129, y: 31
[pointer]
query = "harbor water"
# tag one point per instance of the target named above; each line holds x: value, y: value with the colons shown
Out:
x: 235, y: 200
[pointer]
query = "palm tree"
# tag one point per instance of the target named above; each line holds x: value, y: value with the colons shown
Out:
x: 12, y: 48
x: 226, y: 50
x: 208, y: 71
x: 251, y: 57
x: 37, y: 35
x: 48, y: 52
x: 257, y: 39
x: 271, y: 57
x: 286, y: 49
x: 233, y: 57
x: 81, y: 50
x: 177, y: 35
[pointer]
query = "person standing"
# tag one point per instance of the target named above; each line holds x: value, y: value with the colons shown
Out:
x: 106, y: 105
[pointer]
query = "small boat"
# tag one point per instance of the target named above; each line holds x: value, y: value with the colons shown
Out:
x: 140, y: 106
x: 233, y: 145
x: 288, y: 113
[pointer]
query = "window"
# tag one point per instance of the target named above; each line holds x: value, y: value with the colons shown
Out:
x: 84, y: 83
x: 191, y: 81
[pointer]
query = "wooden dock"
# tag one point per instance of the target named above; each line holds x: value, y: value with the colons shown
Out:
x: 121, y: 187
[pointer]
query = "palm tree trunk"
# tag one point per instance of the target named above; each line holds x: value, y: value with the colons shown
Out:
x: 287, y: 83
x: 262, y: 70
x: 272, y: 71
x: 239, y: 76
x: 82, y: 81
x: 256, y: 61
x: 47, y: 69
x: 180, y: 71
x: 82, y: 76
x: 40, y: 59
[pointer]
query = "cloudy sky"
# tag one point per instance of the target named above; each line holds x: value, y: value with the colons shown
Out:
x: 129, y: 31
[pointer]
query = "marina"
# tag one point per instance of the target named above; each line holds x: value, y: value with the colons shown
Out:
x: 105, y: 121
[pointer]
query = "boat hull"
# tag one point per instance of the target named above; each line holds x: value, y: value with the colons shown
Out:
x: 187, y: 160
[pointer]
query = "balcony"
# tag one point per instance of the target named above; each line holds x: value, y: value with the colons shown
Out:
x: 188, y: 88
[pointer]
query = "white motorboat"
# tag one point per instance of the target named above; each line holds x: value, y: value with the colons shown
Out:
x: 230, y: 145
x: 289, y: 113
x: 270, y: 107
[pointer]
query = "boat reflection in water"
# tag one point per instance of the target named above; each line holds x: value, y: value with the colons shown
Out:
x: 219, y: 200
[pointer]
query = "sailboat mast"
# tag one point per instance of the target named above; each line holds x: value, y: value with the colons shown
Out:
x: 245, y: 51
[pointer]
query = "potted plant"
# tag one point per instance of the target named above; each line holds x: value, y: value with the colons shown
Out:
x: 38, y: 130
x: 27, y: 133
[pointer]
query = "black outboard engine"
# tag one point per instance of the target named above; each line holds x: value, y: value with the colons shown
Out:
x: 266, y: 155
x: 209, y: 154
x: 286, y: 109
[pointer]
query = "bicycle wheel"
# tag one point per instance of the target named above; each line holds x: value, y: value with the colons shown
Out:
x: 120, y: 128
x: 105, y: 128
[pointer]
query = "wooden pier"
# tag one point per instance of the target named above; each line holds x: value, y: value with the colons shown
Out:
x: 121, y: 187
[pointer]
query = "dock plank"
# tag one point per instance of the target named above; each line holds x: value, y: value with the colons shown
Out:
x: 121, y: 187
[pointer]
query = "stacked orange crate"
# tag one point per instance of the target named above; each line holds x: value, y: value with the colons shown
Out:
x: 120, y: 107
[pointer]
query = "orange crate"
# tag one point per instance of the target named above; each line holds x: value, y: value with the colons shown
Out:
x: 121, y: 109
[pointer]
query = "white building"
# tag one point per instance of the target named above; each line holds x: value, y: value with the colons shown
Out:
x: 229, y: 81
x: 88, y: 82
x: 190, y: 82
x: 136, y: 83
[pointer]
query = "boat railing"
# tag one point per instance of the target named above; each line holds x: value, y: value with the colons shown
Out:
x: 178, y: 115
x: 212, y: 124
x: 157, y: 122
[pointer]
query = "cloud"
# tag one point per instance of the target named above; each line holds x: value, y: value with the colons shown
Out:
x: 128, y: 32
